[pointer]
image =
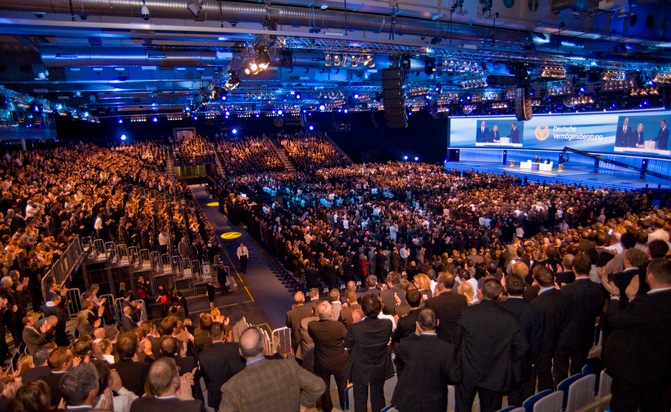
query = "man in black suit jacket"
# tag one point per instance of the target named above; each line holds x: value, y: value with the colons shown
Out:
x: 79, y: 387
x: 298, y: 312
x: 133, y: 374
x: 577, y: 338
x: 170, y: 391
x: 425, y: 365
x: 330, y: 357
x: 637, y: 355
x: 531, y: 319
x: 127, y: 322
x: 556, y: 306
x: 219, y: 363
x: 482, y: 134
x: 406, y: 325
x: 663, y: 136
x: 60, y: 361
x: 347, y: 311
x: 447, y: 305
x: 489, y: 341
x: 622, y: 134
x: 393, y: 280
x: 514, y: 134
x: 369, y: 360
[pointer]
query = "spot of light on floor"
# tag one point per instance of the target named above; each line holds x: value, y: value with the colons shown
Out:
x: 231, y: 235
x: 213, y: 204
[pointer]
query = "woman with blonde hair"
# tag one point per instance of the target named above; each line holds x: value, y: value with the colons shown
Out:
x: 83, y: 326
x: 423, y: 284
x: 467, y: 290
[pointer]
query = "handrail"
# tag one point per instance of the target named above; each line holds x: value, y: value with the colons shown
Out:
x: 617, y: 163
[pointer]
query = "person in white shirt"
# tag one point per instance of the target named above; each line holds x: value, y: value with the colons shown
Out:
x: 163, y: 241
x: 98, y: 225
x: 243, y: 257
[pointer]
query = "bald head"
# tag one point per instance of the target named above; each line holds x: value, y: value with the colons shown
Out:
x: 251, y: 343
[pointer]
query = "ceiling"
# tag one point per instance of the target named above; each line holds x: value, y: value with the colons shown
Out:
x: 103, y: 56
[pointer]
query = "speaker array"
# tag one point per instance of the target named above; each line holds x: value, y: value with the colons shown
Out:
x: 393, y: 100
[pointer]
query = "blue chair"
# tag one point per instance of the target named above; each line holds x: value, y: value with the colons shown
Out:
x: 529, y: 403
x: 23, y: 348
x: 565, y: 384
x: 349, y: 398
x: 588, y: 369
x: 550, y: 403
x: 389, y: 408
x: 507, y: 409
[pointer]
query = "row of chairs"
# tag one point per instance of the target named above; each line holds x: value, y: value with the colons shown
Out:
x: 582, y: 392
x: 287, y: 277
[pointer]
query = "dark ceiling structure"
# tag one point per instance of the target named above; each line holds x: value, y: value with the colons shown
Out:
x: 128, y: 58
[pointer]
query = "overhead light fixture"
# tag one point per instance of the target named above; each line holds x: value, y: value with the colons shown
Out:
x: 144, y: 11
x: 195, y: 6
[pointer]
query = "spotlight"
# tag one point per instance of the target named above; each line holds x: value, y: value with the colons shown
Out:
x: 416, y: 158
x: 144, y: 11
x: 120, y: 121
x: 405, y: 157
x: 356, y: 95
x: 298, y: 96
x: 155, y: 119
x: 311, y: 128
x: 280, y: 112
x: 234, y: 131
x: 123, y: 137
x: 322, y: 107
x: 195, y: 6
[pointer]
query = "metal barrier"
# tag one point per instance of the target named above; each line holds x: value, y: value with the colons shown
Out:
x: 109, y: 304
x: 284, y: 333
x: 74, y: 299
x: 69, y: 262
x: 123, y: 258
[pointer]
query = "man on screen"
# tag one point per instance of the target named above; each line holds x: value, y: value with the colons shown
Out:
x: 622, y: 134
x: 637, y: 138
x: 494, y: 136
x: 514, y: 134
x: 662, y: 138
x: 482, y: 134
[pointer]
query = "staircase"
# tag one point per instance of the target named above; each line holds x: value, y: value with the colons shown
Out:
x: 281, y: 154
x: 170, y: 165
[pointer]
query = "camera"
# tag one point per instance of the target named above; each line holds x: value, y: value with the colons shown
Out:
x: 144, y: 11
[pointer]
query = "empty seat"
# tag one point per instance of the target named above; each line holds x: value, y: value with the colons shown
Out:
x: 605, y: 382
x: 565, y: 384
x: 550, y: 403
x: 529, y: 403
x: 580, y: 393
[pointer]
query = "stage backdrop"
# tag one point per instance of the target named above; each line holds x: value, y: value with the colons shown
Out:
x: 638, y: 133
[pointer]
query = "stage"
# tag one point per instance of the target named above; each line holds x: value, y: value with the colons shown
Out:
x: 572, y: 174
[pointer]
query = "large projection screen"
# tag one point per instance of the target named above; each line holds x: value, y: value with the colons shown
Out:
x: 636, y: 133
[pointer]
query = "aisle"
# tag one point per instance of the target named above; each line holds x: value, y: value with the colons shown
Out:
x: 267, y: 299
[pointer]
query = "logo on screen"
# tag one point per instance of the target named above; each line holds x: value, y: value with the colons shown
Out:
x: 279, y: 122
x: 542, y: 134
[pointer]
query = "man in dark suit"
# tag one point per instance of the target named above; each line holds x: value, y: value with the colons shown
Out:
x: 60, y: 361
x: 36, y: 336
x: 577, y: 338
x: 406, y: 325
x: 556, y: 306
x: 41, y: 368
x: 662, y: 138
x: 637, y: 139
x: 531, y: 319
x: 265, y: 385
x: 330, y: 357
x: 219, y: 363
x: 425, y: 364
x: 482, y: 133
x: 393, y: 281
x: 489, y: 341
x: 298, y: 312
x: 447, y: 305
x: 169, y: 390
x: 133, y: 374
x: 637, y: 354
x: 494, y: 135
x: 514, y: 134
x: 623, y: 133
x: 79, y: 387
x: 127, y: 322
x: 369, y: 360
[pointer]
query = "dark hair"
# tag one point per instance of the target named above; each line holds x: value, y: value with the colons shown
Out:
x: 127, y: 345
x: 32, y: 397
x: 628, y: 240
x: 544, y: 276
x: 216, y: 330
x: 104, y: 371
x: 413, y: 297
x: 658, y: 248
x: 582, y: 264
x: 371, y: 305
x: 635, y: 257
x: 491, y: 289
x: 515, y: 285
x: 660, y: 269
